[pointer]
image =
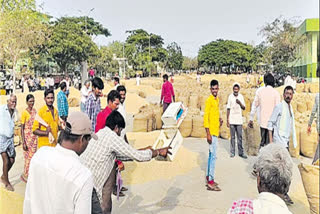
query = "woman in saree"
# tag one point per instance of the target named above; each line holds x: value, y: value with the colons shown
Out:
x: 29, y: 139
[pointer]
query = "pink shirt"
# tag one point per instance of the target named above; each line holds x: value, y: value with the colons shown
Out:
x: 267, y: 99
x: 167, y: 92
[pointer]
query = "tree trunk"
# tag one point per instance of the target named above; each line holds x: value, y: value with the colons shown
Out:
x: 14, y: 63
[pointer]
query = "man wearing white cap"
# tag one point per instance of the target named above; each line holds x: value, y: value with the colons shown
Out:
x: 235, y: 106
x: 58, y: 182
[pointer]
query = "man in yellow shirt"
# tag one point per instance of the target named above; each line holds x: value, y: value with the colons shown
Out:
x: 212, y: 122
x: 50, y: 116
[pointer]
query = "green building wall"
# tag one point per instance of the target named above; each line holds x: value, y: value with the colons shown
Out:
x: 309, y: 50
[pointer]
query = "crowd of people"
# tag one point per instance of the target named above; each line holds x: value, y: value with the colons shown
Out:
x: 78, y: 170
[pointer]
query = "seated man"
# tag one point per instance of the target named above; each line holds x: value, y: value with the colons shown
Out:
x: 274, y: 169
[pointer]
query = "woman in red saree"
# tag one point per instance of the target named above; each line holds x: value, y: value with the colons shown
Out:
x: 30, y: 141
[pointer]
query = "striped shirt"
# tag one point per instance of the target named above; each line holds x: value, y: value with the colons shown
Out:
x: 63, y: 106
x: 100, y: 156
x: 93, y: 107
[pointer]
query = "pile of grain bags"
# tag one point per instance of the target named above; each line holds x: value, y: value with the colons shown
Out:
x: 148, y: 118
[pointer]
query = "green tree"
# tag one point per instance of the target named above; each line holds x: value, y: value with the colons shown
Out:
x: 71, y: 40
x: 21, y: 29
x: 189, y: 63
x: 233, y: 55
x: 282, y: 41
x: 175, y: 57
x: 143, y: 48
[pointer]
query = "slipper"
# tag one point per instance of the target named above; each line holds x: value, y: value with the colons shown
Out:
x: 215, y: 184
x: 214, y: 188
x: 123, y: 189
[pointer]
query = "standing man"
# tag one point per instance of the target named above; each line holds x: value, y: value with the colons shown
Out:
x: 281, y: 125
x: 85, y: 91
x: 51, y: 82
x: 116, y: 82
x: 113, y: 103
x: 235, y: 106
x: 58, y: 182
x: 167, y: 93
x: 63, y: 106
x: 138, y: 79
x: 68, y: 83
x: 91, y: 73
x: 8, y: 115
x: 101, y: 154
x: 212, y: 122
x: 49, y: 115
x: 93, y: 104
x: 315, y: 114
x: 7, y: 85
x: 267, y: 99
x: 122, y: 108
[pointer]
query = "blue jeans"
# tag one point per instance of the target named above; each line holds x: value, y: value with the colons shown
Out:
x: 83, y: 107
x: 212, y: 158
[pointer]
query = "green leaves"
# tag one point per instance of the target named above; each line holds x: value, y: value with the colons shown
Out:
x: 175, y: 57
x: 228, y: 53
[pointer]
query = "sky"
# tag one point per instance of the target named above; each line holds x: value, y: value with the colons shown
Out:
x: 190, y: 23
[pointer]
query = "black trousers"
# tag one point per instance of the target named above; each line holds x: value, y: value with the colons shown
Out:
x: 264, y: 133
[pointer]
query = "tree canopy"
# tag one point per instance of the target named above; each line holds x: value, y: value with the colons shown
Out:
x: 227, y: 53
x: 175, y: 57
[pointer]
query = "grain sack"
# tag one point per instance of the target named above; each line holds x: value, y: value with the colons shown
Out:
x: 157, y: 115
x: 142, y: 94
x: 151, y: 124
x: 193, y: 101
x: 140, y: 122
x: 73, y: 102
x: 295, y: 152
x: 186, y: 126
x: 197, y: 127
x: 302, y: 107
x: 299, y: 87
x: 314, y: 88
x: 202, y: 102
x: 184, y: 100
x: 224, y: 131
x: 310, y: 179
x: 306, y: 88
x: 252, y: 140
x: 308, y: 143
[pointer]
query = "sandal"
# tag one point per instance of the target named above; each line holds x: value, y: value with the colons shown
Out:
x: 23, y: 179
x: 214, y: 188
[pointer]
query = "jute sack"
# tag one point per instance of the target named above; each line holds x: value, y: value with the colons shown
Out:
x: 157, y: 115
x: 74, y: 102
x: 314, y: 88
x: 295, y: 152
x: 193, y: 101
x: 310, y: 179
x: 252, y: 141
x: 299, y: 87
x: 142, y: 94
x: 140, y: 122
x: 308, y: 143
x: 302, y: 107
x: 184, y: 100
x: 186, y: 126
x: 151, y: 124
x: 197, y: 127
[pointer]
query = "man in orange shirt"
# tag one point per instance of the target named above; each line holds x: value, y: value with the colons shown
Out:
x: 212, y: 122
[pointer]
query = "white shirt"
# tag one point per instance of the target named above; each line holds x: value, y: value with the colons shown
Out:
x: 255, y: 109
x: 115, y: 87
x: 51, y: 81
x: 267, y: 203
x: 58, y: 183
x: 85, y: 93
x: 138, y: 80
x: 67, y: 83
x: 122, y: 111
x: 235, y: 117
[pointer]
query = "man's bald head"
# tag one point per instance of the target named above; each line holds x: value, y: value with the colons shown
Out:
x: 12, y: 102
